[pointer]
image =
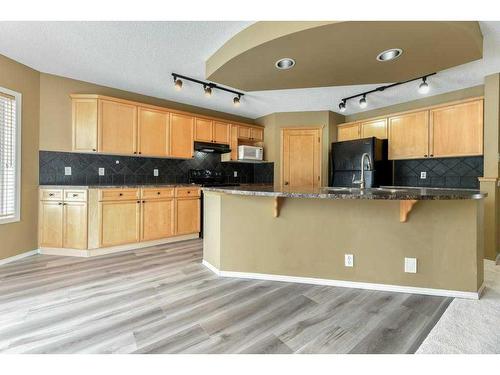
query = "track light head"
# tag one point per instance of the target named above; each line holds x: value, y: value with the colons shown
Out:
x: 342, y: 106
x: 362, y: 102
x: 424, y: 88
x: 236, y: 101
x: 208, y: 91
x: 177, y: 84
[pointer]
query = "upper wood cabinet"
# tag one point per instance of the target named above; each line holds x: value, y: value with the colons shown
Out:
x: 117, y: 127
x: 250, y: 133
x: 84, y: 122
x: 243, y: 132
x: 181, y: 135
x: 457, y: 130
x: 348, y: 132
x: 409, y: 136
x: 203, y: 130
x: 374, y: 128
x: 221, y: 132
x: 153, y: 132
x: 256, y: 134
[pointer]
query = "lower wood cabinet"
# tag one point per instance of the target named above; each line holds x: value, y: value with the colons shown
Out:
x: 119, y: 222
x: 75, y: 225
x: 51, y: 224
x: 188, y: 215
x: 158, y: 219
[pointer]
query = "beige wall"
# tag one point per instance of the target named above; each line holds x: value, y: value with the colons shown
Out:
x: 273, y: 124
x: 16, y: 238
x: 311, y: 236
x: 415, y: 104
x: 55, y: 108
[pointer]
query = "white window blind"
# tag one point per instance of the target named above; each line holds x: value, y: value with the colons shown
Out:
x: 9, y: 151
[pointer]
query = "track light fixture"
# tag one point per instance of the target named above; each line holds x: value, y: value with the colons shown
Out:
x: 423, y: 88
x: 208, y: 87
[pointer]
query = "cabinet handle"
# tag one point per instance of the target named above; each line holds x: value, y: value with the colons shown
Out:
x: 188, y: 192
x: 143, y: 201
x: 158, y: 193
x: 138, y: 201
x: 431, y: 155
x: 286, y: 182
x: 425, y: 156
x: 75, y: 195
x: 59, y: 204
x: 121, y: 194
x: 51, y: 194
x: 94, y: 150
x: 140, y: 153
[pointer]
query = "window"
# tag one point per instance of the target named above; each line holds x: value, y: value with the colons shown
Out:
x: 10, y: 159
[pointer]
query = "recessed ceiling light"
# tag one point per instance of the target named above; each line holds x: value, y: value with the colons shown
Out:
x: 389, y: 54
x: 285, y: 63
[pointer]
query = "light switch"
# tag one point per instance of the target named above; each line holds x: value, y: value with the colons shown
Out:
x: 235, y: 173
x: 155, y: 172
x: 101, y: 171
x: 411, y: 265
x: 67, y: 171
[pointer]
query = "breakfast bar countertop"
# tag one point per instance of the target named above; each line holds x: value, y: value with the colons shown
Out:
x: 382, y: 193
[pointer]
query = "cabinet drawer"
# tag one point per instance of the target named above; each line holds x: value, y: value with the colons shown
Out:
x: 157, y: 193
x: 75, y: 195
x: 187, y: 192
x: 51, y: 194
x: 118, y: 194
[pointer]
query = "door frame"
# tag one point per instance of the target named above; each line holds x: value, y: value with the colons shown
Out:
x: 282, y: 135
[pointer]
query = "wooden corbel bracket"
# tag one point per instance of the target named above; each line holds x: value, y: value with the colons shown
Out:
x: 405, y: 208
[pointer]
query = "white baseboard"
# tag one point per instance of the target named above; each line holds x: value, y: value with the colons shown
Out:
x: 18, y: 256
x: 346, y: 284
x: 497, y: 262
x: 114, y: 249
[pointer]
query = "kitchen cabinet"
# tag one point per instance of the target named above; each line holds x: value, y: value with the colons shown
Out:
x: 243, y: 132
x: 84, y: 122
x: 181, y: 135
x: 51, y: 224
x: 221, y: 132
x: 117, y: 126
x: 374, y: 128
x: 409, y: 135
x: 188, y: 215
x: 457, y: 130
x: 158, y: 214
x: 75, y: 225
x: 119, y: 222
x: 234, y: 142
x: 348, y: 132
x: 203, y: 130
x: 250, y: 133
x: 256, y: 134
x: 153, y: 132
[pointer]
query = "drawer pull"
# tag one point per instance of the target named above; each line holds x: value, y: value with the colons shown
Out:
x: 189, y: 192
x: 158, y: 193
x: 121, y: 194
x: 75, y: 195
x: 51, y: 194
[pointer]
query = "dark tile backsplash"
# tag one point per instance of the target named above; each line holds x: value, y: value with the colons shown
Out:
x: 441, y: 172
x: 139, y: 170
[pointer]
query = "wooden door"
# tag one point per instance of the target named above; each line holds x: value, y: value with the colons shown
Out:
x: 51, y: 224
x: 187, y: 215
x: 256, y: 134
x: 158, y: 219
x: 153, y: 132
x: 181, y: 135
x: 409, y: 136
x: 84, y: 119
x: 457, y: 130
x: 243, y: 132
x: 75, y: 225
x: 117, y: 127
x: 119, y: 222
x: 348, y: 132
x: 374, y: 128
x: 221, y: 132
x: 203, y: 130
x: 234, y: 142
x: 301, y: 157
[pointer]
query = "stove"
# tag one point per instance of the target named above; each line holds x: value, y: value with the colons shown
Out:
x: 208, y: 178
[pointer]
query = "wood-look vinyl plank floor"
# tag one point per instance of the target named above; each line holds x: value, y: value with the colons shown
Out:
x: 161, y: 299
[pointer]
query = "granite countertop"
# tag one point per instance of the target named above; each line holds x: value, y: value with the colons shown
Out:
x: 151, y: 186
x: 384, y: 193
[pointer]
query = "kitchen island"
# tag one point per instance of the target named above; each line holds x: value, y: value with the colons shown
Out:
x: 305, y: 235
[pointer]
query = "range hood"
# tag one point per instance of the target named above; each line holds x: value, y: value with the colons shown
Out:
x: 211, y: 148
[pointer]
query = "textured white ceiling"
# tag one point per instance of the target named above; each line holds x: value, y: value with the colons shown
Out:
x: 140, y: 56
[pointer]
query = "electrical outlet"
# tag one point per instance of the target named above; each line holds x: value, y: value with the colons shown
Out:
x: 101, y: 171
x: 117, y: 161
x: 423, y: 175
x: 411, y: 265
x: 349, y: 260
x: 155, y: 172
x: 235, y: 173
x: 67, y: 171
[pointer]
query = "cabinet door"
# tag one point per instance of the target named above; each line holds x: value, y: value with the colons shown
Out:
x: 374, y: 128
x: 188, y: 215
x: 181, y: 136
x: 221, y: 132
x: 203, y: 130
x: 457, y: 130
x: 117, y: 127
x: 348, y: 132
x: 157, y: 219
x: 75, y: 225
x: 256, y: 134
x: 153, y: 132
x: 84, y: 119
x: 234, y: 142
x: 243, y: 132
x: 51, y: 224
x: 119, y: 222
x: 409, y: 136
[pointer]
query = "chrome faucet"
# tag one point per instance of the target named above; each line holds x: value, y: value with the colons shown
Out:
x: 361, y: 181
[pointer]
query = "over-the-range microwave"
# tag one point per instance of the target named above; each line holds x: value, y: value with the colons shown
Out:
x: 250, y: 153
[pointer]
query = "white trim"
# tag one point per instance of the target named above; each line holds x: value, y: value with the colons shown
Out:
x: 18, y: 256
x: 114, y: 249
x: 497, y: 261
x: 346, y: 284
x: 19, y: 99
